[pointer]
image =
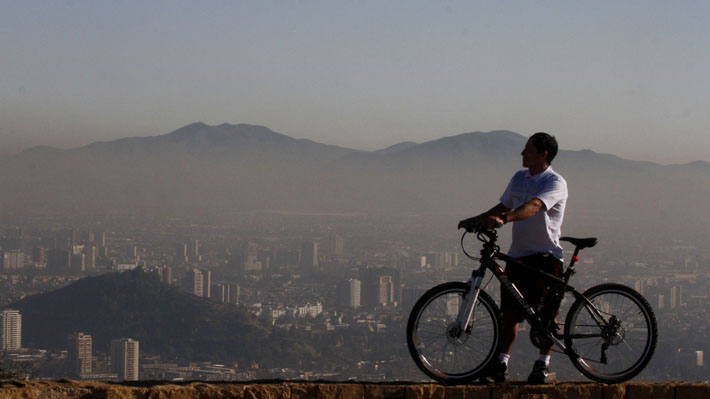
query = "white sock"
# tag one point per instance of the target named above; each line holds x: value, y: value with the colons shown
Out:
x: 503, y: 358
x: 545, y: 359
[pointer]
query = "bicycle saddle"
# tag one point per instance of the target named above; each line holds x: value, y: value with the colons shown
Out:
x: 581, y: 243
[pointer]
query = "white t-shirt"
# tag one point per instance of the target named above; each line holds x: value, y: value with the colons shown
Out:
x: 541, y: 232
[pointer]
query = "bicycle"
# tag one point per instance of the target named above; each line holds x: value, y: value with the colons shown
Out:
x: 453, y: 331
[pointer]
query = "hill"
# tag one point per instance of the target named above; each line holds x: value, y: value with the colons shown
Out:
x: 165, y: 320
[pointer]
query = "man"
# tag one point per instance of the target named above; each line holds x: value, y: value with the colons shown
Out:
x: 535, y: 202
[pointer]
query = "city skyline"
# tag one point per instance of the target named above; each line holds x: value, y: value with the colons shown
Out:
x: 626, y: 79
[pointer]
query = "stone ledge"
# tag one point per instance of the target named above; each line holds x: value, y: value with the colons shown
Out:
x: 66, y: 389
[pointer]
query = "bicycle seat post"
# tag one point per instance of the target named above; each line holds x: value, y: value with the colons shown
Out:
x: 570, y: 269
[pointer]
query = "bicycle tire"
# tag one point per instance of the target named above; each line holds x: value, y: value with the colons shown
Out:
x: 628, y: 350
x: 439, y: 355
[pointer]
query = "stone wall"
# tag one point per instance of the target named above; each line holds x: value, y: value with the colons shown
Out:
x: 332, y: 390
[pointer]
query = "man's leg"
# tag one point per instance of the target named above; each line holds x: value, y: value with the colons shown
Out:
x: 541, y: 367
x: 498, y: 368
x: 510, y: 332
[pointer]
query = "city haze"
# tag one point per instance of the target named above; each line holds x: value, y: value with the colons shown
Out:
x: 262, y: 190
x: 627, y: 79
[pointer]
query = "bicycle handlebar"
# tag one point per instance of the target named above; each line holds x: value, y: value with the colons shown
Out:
x: 487, y: 237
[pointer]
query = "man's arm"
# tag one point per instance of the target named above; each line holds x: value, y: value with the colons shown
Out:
x: 527, y: 210
x: 490, y: 218
x: 494, y: 216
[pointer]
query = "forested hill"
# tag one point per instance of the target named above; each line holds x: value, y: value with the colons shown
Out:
x: 164, y: 319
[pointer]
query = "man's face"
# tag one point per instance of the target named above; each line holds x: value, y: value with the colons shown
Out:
x: 532, y: 158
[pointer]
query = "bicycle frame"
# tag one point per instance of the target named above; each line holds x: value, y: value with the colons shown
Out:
x: 489, y: 253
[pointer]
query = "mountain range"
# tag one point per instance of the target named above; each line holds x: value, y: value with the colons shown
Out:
x: 203, y: 171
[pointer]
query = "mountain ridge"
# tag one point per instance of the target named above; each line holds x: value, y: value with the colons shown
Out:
x: 197, y: 129
x: 211, y: 171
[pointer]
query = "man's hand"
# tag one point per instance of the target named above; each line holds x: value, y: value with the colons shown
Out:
x: 481, y: 222
x: 470, y: 224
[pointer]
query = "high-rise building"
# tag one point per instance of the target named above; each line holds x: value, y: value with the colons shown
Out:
x: 195, y: 282
x: 386, y: 291
x: 381, y: 286
x: 348, y: 293
x: 80, y: 353
x: 100, y: 238
x: 235, y: 292
x: 124, y: 359
x: 77, y: 264
x: 193, y: 249
x: 335, y: 244
x: 221, y: 293
x: 397, y: 285
x: 11, y: 321
x: 72, y: 238
x: 251, y: 259
x: 12, y: 260
x: 206, y: 283
x: 166, y: 274
x: 90, y: 257
x: 180, y: 253
x: 309, y: 256
x: 676, y: 296
x: 264, y: 256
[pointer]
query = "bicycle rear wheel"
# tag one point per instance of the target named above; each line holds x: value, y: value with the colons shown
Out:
x: 620, y: 347
x: 438, y: 349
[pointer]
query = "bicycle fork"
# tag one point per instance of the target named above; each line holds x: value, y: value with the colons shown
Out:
x: 464, y: 318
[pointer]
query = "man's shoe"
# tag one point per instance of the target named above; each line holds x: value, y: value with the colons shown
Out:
x: 496, y: 372
x: 539, y: 373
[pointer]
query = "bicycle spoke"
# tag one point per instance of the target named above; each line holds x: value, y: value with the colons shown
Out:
x: 626, y: 338
x: 449, y: 355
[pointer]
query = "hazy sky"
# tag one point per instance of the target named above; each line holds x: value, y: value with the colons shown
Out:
x: 625, y: 77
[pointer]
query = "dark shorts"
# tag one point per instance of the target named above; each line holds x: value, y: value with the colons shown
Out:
x: 530, y: 285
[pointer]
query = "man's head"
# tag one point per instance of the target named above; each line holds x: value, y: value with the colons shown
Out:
x: 544, y: 142
x: 539, y: 151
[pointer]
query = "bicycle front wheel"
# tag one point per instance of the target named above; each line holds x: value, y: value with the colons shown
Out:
x: 619, y: 347
x: 437, y: 346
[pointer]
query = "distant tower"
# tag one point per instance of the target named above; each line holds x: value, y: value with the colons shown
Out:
x: 90, y: 257
x: 337, y: 245
x: 11, y: 330
x: 195, y: 282
x: 100, y: 238
x: 166, y: 274
x: 309, y: 256
x: 348, y: 293
x: 676, y: 296
x: 13, y: 259
x: 193, y: 249
x: 78, y: 260
x: 221, y: 293
x: 180, y: 254
x: 386, y: 290
x: 235, y: 293
x: 124, y: 359
x: 206, y: 283
x: 39, y: 255
x: 80, y: 353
